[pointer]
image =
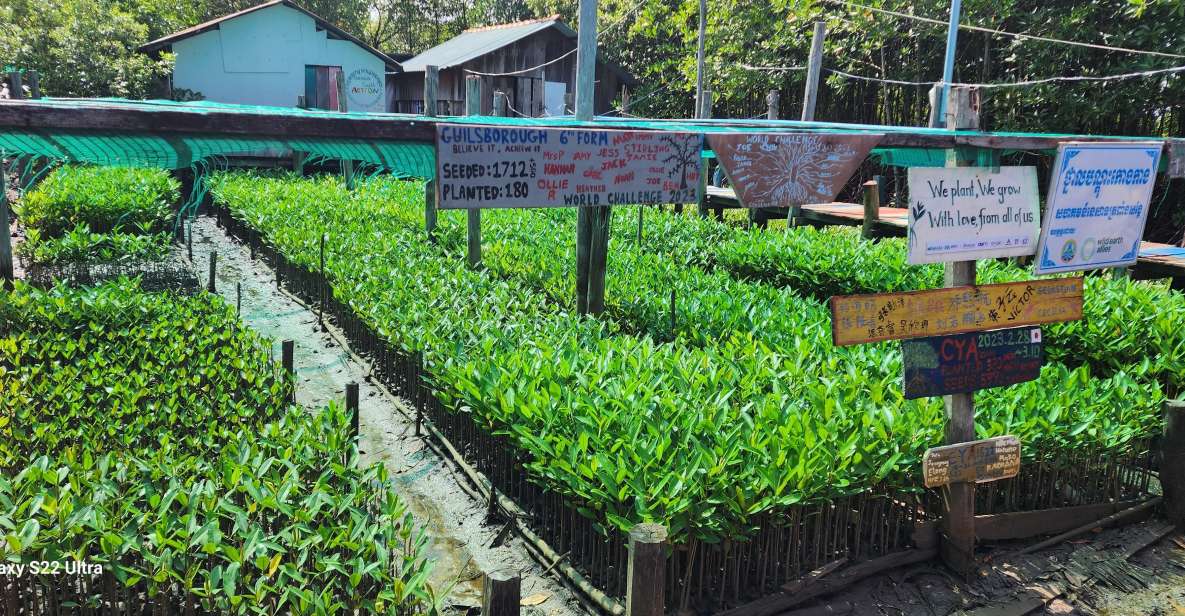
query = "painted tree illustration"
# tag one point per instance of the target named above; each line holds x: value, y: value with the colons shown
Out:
x: 806, y: 165
x: 684, y: 153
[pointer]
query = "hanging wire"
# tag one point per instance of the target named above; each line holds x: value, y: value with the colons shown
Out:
x: 1015, y: 35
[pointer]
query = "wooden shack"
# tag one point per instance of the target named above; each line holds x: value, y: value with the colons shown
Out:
x: 533, y: 62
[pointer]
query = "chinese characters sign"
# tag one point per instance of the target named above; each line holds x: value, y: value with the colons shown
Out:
x: 977, y: 461
x: 1097, y: 206
x: 968, y: 213
x: 501, y: 166
x: 783, y: 170
x: 963, y: 363
x: 859, y: 319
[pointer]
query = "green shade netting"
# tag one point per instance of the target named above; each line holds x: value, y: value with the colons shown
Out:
x: 404, y: 158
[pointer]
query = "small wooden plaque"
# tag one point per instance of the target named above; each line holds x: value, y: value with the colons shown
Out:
x: 973, y: 462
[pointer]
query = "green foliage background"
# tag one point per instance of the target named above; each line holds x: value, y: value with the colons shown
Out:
x: 86, y: 48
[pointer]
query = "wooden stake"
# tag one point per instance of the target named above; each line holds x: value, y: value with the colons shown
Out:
x: 814, y: 68
x: 321, y: 305
x: 646, y: 575
x: 15, y: 91
x: 500, y: 103
x: 1172, y: 465
x: 598, y: 257
x: 501, y: 593
x: 773, y: 102
x: 348, y: 173
x: 641, y: 209
x: 210, y: 284
x: 34, y: 85
x: 872, y: 210
x: 430, y: 210
x: 6, y: 268
x: 704, y: 112
x: 473, y: 107
x: 239, y: 299
x: 431, y: 83
x: 287, y: 361
x: 352, y: 409
x: 583, y: 237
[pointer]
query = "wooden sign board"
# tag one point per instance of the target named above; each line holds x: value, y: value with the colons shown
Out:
x: 788, y: 169
x: 508, y: 166
x: 974, y: 462
x: 860, y: 319
x: 968, y: 213
x: 964, y: 363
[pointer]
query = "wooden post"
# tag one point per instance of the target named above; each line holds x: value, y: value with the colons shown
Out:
x: 15, y: 91
x: 1172, y: 464
x: 473, y: 107
x: 287, y: 361
x: 646, y: 574
x: 321, y: 304
x: 958, y: 542
x: 773, y: 101
x: 699, y: 56
x: 586, y: 60
x: 431, y: 105
x: 352, y: 409
x: 501, y: 592
x: 592, y: 224
x: 348, y: 173
x: 641, y: 209
x: 705, y: 112
x: 430, y: 209
x: 500, y: 103
x: 814, y: 68
x: 34, y: 85
x: 210, y: 284
x: 239, y: 299
x: 343, y: 106
x: 298, y: 156
x: 6, y: 268
x: 189, y: 242
x: 625, y: 100
x: 431, y: 84
x: 872, y: 210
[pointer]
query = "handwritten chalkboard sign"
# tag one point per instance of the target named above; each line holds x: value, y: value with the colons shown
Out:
x: 787, y: 169
x: 503, y: 166
x: 973, y: 462
x: 964, y: 363
x: 860, y: 319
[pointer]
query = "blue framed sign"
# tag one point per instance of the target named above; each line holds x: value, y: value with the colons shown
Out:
x: 1097, y: 205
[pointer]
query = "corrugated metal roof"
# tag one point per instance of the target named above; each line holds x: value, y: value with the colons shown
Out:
x: 477, y: 42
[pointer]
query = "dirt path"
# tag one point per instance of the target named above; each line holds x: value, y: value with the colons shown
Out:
x: 459, y: 540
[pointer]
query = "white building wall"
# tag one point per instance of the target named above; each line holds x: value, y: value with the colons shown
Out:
x: 259, y: 59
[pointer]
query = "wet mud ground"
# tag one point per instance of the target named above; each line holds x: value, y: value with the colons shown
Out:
x: 459, y: 539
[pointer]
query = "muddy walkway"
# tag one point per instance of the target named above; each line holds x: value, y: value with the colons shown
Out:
x: 460, y: 541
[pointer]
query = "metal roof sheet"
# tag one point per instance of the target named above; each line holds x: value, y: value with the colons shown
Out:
x: 477, y: 42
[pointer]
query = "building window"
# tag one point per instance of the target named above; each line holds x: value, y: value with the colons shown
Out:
x: 323, y: 87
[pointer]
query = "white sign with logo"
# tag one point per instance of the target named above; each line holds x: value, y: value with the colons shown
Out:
x: 968, y: 213
x: 1097, y: 205
x: 364, y: 89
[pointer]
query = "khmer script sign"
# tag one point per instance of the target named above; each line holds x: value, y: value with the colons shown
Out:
x: 1097, y: 205
x: 788, y: 169
x: 968, y: 213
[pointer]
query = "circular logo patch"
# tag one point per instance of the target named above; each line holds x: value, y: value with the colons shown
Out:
x: 1088, y: 248
x: 364, y: 87
x: 1068, y: 250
